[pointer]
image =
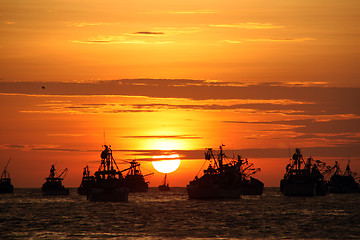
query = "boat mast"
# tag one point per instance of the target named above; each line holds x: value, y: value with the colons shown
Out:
x: 165, y: 179
x: 6, y: 173
x: 221, y: 155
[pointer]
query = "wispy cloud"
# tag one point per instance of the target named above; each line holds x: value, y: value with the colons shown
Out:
x: 148, y: 33
x: 126, y: 38
x: 315, y: 99
x: 86, y: 24
x: 65, y: 135
x: 278, y: 39
x: 48, y: 147
x: 267, y: 40
x: 189, y: 12
x: 14, y: 146
x: 248, y: 25
x: 172, y: 31
x: 164, y: 137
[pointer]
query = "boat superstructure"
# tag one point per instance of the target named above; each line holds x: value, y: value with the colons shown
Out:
x: 134, y: 179
x: 53, y: 185
x: 86, y: 181
x: 109, y: 184
x: 165, y: 186
x: 5, y: 181
x: 343, y: 182
x: 303, y: 178
x: 225, y: 178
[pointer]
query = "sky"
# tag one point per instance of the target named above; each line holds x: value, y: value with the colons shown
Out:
x: 260, y: 77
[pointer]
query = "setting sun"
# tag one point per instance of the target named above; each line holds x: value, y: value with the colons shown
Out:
x: 166, y: 166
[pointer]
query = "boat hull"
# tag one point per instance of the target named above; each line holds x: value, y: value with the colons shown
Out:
x: 137, y: 187
x: 253, y: 187
x: 212, y: 192
x: 98, y: 194
x: 303, y: 189
x: 164, y: 188
x: 84, y: 187
x: 54, y: 188
x: 6, y: 188
x: 343, y: 184
x: 63, y: 192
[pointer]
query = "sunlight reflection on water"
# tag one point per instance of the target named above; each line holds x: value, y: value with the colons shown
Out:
x: 154, y: 215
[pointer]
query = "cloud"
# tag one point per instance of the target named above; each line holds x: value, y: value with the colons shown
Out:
x: 85, y: 24
x: 341, y: 130
x: 149, y: 33
x: 54, y: 149
x: 65, y: 135
x: 165, y: 137
x: 14, y: 146
x: 316, y: 100
x: 278, y: 39
x: 121, y: 39
x: 267, y: 40
x: 38, y: 148
x: 190, y: 12
x: 248, y: 25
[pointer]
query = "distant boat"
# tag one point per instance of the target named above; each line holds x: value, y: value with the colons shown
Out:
x: 5, y: 181
x: 53, y: 185
x: 303, y: 178
x: 225, y: 180
x: 343, y: 182
x: 109, y: 184
x: 134, y: 179
x: 86, y: 182
x: 165, y: 186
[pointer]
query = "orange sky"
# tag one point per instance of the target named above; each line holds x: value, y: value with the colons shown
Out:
x: 229, y: 40
x: 258, y: 76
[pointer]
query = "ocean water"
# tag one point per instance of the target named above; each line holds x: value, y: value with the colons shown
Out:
x: 26, y: 214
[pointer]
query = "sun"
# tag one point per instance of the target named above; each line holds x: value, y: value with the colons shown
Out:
x: 169, y: 165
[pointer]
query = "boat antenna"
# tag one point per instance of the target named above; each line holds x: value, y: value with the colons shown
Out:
x: 5, y: 172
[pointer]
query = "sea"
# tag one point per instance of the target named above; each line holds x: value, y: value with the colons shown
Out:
x: 26, y: 214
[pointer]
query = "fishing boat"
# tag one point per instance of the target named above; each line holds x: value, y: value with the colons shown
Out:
x: 165, y: 186
x: 303, y: 178
x: 53, y: 185
x: 134, y: 179
x: 5, y: 181
x: 86, y: 181
x: 343, y: 182
x: 109, y: 183
x: 227, y: 178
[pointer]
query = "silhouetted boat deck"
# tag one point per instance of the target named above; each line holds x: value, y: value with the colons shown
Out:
x: 303, y: 178
x: 5, y: 181
x: 134, y: 179
x: 53, y: 185
x: 109, y: 184
x: 229, y: 180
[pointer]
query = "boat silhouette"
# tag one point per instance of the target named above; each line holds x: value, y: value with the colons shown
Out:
x: 165, y: 186
x: 86, y: 181
x: 343, y: 182
x: 303, y: 178
x: 109, y: 183
x: 5, y: 181
x: 53, y: 185
x: 225, y: 180
x: 134, y: 179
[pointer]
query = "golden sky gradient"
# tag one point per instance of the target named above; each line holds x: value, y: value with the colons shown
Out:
x: 260, y: 41
x: 145, y: 76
